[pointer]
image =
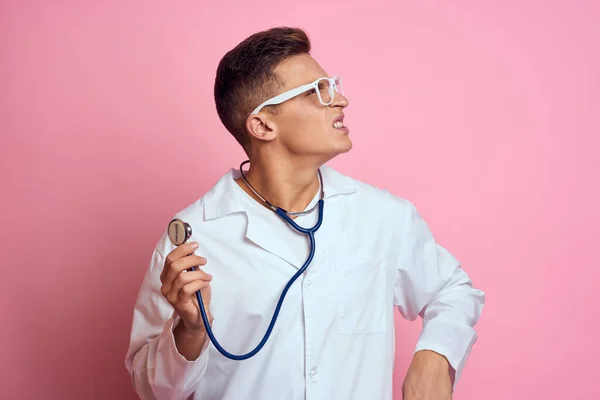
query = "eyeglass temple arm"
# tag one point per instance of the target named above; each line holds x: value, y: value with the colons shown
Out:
x: 284, y: 96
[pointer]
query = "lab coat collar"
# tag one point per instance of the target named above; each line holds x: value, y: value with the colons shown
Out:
x: 224, y: 199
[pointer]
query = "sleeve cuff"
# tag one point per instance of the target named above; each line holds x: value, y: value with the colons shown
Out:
x: 450, y: 340
x: 180, y: 376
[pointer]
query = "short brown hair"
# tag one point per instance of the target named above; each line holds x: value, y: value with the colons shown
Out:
x: 245, y: 76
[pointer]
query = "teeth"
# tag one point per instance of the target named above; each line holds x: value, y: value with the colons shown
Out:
x: 338, y: 124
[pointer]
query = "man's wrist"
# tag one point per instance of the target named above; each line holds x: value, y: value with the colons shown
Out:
x: 433, y: 358
x: 189, y: 341
x: 194, y: 329
x: 186, y: 330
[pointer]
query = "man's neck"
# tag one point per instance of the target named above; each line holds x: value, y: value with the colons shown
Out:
x: 284, y: 184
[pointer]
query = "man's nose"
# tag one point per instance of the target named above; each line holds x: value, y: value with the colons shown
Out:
x: 339, y: 100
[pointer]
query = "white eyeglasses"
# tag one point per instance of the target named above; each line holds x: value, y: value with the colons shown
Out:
x: 324, y: 87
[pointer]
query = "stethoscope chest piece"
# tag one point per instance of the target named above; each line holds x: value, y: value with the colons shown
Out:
x: 179, y: 232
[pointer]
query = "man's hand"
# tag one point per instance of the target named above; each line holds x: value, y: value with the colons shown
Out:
x: 179, y: 286
x: 429, y: 377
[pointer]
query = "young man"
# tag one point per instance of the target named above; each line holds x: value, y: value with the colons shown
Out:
x: 334, y: 335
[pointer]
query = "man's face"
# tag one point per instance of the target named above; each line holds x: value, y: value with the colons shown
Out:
x: 303, y: 125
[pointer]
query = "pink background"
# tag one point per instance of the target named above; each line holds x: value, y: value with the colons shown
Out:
x: 486, y: 116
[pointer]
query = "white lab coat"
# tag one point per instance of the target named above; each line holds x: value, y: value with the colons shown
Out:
x: 334, y: 338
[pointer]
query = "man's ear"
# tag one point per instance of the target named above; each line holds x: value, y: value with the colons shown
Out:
x: 261, y: 127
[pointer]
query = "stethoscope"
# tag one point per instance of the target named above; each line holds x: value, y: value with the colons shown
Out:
x: 179, y: 232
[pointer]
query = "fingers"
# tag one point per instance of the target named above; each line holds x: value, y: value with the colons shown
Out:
x: 186, y: 293
x: 178, y: 253
x: 171, y: 271
x: 186, y: 281
x: 181, y: 265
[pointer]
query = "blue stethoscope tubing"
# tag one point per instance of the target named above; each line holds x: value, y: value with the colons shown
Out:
x: 310, y: 232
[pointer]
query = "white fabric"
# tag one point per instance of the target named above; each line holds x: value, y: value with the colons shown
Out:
x: 334, y: 338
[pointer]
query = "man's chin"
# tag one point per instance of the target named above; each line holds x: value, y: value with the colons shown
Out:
x: 346, y: 145
x: 340, y: 149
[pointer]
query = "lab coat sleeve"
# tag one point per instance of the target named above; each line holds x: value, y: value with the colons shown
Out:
x: 157, y: 369
x: 431, y: 283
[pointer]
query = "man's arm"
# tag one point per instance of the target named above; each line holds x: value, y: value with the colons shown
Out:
x: 429, y: 377
x: 165, y: 360
x: 431, y: 284
x: 189, y: 343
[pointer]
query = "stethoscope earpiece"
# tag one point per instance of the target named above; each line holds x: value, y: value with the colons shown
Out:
x: 179, y: 232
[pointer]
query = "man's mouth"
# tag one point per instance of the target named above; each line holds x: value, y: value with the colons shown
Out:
x: 338, y: 122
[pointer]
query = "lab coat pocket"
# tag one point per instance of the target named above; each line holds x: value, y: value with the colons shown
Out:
x: 362, y: 294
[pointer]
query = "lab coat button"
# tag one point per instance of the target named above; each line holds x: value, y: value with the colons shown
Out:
x: 308, y: 284
x: 313, y: 373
